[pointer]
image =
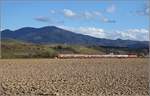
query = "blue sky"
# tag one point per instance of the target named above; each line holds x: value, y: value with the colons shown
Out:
x: 110, y: 19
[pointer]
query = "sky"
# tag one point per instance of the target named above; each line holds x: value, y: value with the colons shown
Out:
x: 111, y: 19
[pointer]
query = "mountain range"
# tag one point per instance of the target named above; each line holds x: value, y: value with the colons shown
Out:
x: 55, y: 35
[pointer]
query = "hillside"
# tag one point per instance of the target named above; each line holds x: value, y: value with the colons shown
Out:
x: 18, y: 49
x: 55, y: 35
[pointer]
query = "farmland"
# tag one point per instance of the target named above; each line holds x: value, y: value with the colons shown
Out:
x: 74, y: 77
x: 11, y: 49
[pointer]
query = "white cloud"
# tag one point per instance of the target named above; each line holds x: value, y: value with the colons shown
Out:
x: 49, y: 21
x: 144, y: 10
x: 97, y: 13
x: 88, y: 15
x: 42, y: 18
x: 69, y: 13
x: 111, y: 9
x: 147, y: 11
x: 52, y: 11
x: 129, y: 34
x: 92, y: 31
x: 132, y: 34
x: 107, y: 20
x: 84, y: 15
x: 147, y: 8
x: 98, y: 16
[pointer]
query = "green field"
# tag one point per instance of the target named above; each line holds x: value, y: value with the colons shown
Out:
x: 17, y: 49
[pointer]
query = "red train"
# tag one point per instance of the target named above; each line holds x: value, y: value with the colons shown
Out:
x: 96, y: 56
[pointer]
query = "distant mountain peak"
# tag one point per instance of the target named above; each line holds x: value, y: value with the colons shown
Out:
x: 56, y: 35
x: 48, y: 27
x: 25, y: 28
x: 7, y: 30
